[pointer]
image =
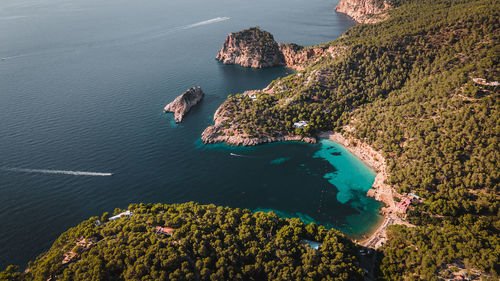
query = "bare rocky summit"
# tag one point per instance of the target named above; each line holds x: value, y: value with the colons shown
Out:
x: 364, y: 11
x: 183, y: 103
x: 251, y: 47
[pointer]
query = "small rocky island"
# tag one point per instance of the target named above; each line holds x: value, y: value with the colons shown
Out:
x: 183, y: 103
x: 251, y: 47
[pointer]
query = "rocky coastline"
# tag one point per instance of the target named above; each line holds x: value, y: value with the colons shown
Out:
x: 243, y: 141
x: 364, y: 11
x: 256, y: 48
x: 183, y: 103
x: 245, y: 49
x: 232, y: 135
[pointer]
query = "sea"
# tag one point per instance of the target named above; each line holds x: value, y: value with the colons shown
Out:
x: 83, y: 84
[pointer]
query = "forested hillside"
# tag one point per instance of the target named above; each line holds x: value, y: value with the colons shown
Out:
x: 440, y: 135
x: 208, y: 243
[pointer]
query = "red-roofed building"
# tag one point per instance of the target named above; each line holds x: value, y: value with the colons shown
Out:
x: 404, y: 204
x: 165, y: 230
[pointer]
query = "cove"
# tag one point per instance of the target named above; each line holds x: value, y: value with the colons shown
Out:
x: 319, y: 183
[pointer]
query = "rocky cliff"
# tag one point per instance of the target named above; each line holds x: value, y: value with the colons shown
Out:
x: 256, y: 48
x: 183, y: 103
x: 364, y: 11
x: 297, y: 57
x: 251, y: 47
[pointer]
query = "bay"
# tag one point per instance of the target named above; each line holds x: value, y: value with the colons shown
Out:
x: 82, y: 88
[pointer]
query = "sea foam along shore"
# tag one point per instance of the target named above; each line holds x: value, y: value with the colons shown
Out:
x: 380, y: 190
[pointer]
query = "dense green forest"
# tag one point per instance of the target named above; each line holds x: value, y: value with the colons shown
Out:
x: 208, y: 243
x: 439, y: 132
x: 408, y: 87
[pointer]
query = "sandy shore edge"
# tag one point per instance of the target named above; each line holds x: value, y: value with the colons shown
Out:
x: 380, y: 190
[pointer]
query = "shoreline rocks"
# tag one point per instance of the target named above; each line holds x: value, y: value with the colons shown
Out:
x: 236, y: 140
x: 183, y: 103
x: 364, y: 11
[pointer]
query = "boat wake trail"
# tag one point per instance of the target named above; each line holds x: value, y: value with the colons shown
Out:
x: 60, y: 172
x: 214, y: 20
x: 184, y: 27
x: 116, y: 42
x: 238, y: 155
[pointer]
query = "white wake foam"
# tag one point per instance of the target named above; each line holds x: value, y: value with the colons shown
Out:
x: 61, y: 172
x: 237, y: 155
x: 12, y: 17
x: 210, y: 21
x: 118, y: 42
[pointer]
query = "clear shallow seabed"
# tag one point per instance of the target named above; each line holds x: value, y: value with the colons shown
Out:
x: 82, y: 88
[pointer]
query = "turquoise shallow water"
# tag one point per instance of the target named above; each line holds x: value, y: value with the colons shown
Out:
x: 352, y: 175
x: 82, y: 87
x: 352, y: 179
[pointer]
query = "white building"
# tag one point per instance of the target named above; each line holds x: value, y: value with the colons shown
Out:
x: 300, y: 124
x: 313, y: 244
x: 127, y: 213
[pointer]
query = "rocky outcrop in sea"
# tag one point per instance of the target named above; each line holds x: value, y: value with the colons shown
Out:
x: 364, y: 11
x: 183, y: 103
x: 251, y: 47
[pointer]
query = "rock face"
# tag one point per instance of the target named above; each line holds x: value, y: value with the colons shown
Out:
x: 297, y: 57
x: 183, y: 103
x: 252, y: 47
x: 363, y: 11
x: 256, y: 48
x: 221, y: 132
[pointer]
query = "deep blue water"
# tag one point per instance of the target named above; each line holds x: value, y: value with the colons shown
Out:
x: 82, y: 88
